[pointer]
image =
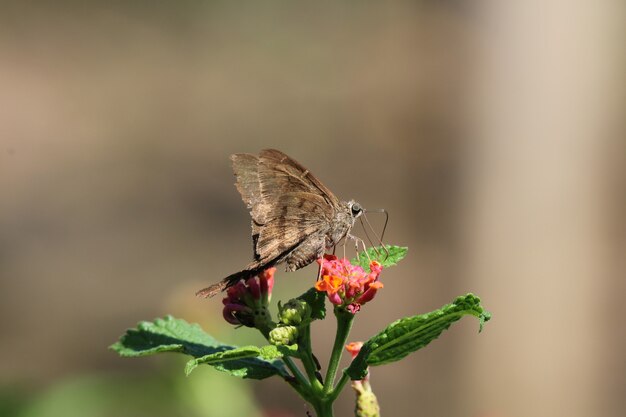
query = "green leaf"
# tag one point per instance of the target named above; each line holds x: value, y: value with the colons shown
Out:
x: 275, y: 352
x: 396, y: 254
x: 316, y: 300
x: 176, y: 335
x: 409, y: 334
x: 218, y: 359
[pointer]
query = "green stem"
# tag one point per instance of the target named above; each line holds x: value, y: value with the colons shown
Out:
x: 305, y: 350
x: 339, y: 387
x: 344, y: 324
x: 323, y: 408
x: 301, y: 385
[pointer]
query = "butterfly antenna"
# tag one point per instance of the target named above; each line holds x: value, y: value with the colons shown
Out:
x: 380, y: 239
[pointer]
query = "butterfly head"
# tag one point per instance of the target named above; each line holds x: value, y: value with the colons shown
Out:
x: 355, y: 209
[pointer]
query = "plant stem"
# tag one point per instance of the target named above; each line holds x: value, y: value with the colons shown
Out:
x: 323, y: 408
x: 337, y: 390
x: 301, y: 385
x: 305, y: 351
x: 344, y: 324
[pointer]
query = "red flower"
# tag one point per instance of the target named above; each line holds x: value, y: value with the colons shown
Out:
x: 346, y: 284
x: 243, y: 299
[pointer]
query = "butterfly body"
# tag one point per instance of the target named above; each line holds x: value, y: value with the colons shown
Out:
x: 295, y: 218
x: 315, y: 244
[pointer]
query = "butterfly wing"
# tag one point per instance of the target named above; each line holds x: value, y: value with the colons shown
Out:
x: 292, y: 213
x: 287, y: 205
x: 287, y: 173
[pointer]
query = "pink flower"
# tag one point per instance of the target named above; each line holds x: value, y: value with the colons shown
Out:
x: 243, y: 299
x: 346, y: 284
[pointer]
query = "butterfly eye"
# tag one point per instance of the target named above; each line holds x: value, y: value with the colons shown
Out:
x: 356, y: 209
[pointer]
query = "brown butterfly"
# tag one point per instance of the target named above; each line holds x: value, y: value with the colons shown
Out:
x: 295, y: 218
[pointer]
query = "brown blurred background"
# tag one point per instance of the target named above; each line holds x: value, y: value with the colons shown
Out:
x: 493, y: 132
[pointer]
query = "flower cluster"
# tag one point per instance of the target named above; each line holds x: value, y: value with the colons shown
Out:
x: 246, y: 302
x: 346, y: 284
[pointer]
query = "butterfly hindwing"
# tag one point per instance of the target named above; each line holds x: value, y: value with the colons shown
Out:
x: 297, y: 216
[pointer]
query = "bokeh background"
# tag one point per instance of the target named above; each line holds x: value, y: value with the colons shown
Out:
x: 493, y: 132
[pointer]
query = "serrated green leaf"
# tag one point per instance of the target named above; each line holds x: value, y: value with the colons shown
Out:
x: 316, y: 300
x: 165, y: 335
x: 409, y: 334
x: 176, y: 335
x: 396, y: 254
x: 220, y: 358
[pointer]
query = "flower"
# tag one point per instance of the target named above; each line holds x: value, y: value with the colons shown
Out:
x: 246, y: 302
x: 354, y: 348
x: 348, y: 285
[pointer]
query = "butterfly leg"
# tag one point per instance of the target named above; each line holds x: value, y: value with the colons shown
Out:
x: 321, y: 254
x: 319, y: 271
x: 358, y: 240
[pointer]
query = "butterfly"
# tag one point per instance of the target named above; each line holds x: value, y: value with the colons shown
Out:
x: 295, y: 218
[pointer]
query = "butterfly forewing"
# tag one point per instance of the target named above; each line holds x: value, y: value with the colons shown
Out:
x: 287, y: 203
x: 288, y: 174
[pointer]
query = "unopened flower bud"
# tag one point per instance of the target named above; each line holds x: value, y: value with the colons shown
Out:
x: 238, y: 314
x: 294, y: 312
x: 246, y: 301
x: 366, y: 401
x: 283, y: 335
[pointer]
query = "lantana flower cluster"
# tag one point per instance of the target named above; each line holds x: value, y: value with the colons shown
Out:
x: 348, y: 285
x: 247, y: 300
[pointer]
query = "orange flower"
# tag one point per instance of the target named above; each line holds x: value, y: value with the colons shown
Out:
x: 331, y: 284
x: 354, y: 348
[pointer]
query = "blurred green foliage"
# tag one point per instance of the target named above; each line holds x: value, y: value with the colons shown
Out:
x: 154, y: 394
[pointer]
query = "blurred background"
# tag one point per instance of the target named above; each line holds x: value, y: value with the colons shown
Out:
x: 493, y: 132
